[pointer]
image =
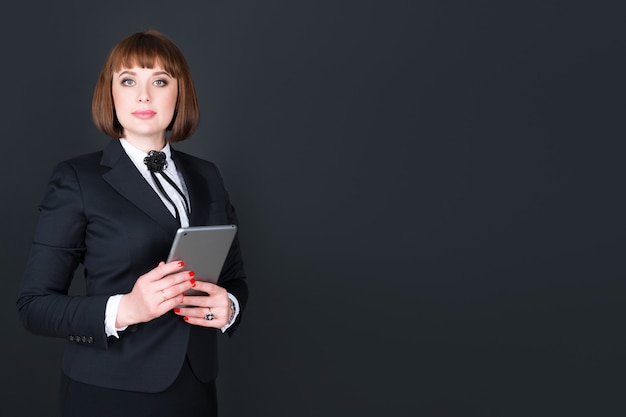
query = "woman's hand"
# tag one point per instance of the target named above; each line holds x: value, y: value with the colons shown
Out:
x: 154, y: 294
x: 211, y: 310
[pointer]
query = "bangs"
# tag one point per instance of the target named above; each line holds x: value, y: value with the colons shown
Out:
x: 145, y: 51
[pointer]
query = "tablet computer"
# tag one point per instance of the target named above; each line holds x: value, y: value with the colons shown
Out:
x: 203, y: 249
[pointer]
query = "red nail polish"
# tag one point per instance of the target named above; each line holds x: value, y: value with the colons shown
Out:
x: 186, y: 318
x: 181, y: 264
x: 191, y: 273
x: 193, y: 282
x: 177, y: 310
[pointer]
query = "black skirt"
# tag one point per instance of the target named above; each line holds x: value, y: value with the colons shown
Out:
x: 187, y: 396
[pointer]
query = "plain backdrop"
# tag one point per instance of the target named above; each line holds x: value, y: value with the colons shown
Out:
x: 430, y: 194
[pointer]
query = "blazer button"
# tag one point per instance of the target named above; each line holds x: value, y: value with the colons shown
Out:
x: 84, y: 339
x: 90, y: 340
x: 71, y: 338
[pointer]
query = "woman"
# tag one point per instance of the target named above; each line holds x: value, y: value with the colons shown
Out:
x: 132, y: 350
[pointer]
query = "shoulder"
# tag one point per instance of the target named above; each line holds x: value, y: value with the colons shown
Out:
x: 185, y: 158
x: 105, y: 157
x: 78, y: 165
x: 88, y: 159
x: 88, y: 164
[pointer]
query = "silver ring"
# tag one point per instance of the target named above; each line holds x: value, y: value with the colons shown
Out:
x: 210, y: 316
x: 164, y: 296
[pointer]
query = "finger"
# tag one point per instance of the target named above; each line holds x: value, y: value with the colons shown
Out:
x: 164, y: 295
x: 163, y: 269
x: 209, y: 288
x: 216, y: 321
x: 218, y: 301
x: 200, y: 312
x: 171, y: 303
x: 172, y: 281
x: 177, y: 290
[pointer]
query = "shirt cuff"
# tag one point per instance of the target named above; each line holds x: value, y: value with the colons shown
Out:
x: 110, y: 316
x: 236, y: 313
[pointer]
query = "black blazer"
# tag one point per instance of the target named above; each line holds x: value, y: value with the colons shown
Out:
x: 98, y: 210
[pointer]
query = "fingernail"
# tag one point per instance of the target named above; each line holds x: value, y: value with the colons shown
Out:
x: 191, y: 273
x: 181, y: 264
x: 186, y: 318
x: 193, y: 282
x: 177, y: 310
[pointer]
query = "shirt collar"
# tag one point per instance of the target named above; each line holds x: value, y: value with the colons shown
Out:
x: 137, y: 155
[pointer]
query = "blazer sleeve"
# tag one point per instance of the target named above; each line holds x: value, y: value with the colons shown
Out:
x: 57, y: 249
x: 233, y: 275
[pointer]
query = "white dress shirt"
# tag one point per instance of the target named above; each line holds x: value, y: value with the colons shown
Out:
x: 137, y: 156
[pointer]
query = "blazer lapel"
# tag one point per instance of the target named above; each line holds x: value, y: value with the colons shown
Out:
x: 126, y: 180
x: 197, y: 188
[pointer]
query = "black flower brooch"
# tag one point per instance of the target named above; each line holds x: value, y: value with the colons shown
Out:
x: 155, y: 161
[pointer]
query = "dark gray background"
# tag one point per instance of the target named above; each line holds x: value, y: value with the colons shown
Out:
x: 430, y: 194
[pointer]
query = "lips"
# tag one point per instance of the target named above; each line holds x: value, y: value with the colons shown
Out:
x: 144, y: 114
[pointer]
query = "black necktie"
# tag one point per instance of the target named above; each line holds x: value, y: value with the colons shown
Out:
x: 156, y: 163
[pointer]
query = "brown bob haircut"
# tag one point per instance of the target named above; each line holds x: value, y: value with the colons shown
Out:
x: 147, y: 50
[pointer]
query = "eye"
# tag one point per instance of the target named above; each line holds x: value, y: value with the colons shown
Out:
x: 160, y: 83
x: 128, y: 82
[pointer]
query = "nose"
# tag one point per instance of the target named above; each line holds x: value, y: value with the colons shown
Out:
x: 144, y: 96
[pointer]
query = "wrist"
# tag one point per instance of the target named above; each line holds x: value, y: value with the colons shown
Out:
x: 231, y: 316
x: 122, y: 319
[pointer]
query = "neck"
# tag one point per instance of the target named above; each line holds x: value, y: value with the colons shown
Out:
x: 146, y: 144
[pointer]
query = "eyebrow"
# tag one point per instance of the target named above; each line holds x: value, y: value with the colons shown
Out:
x: 154, y: 73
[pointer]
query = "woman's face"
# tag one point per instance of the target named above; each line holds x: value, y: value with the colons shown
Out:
x: 144, y: 100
